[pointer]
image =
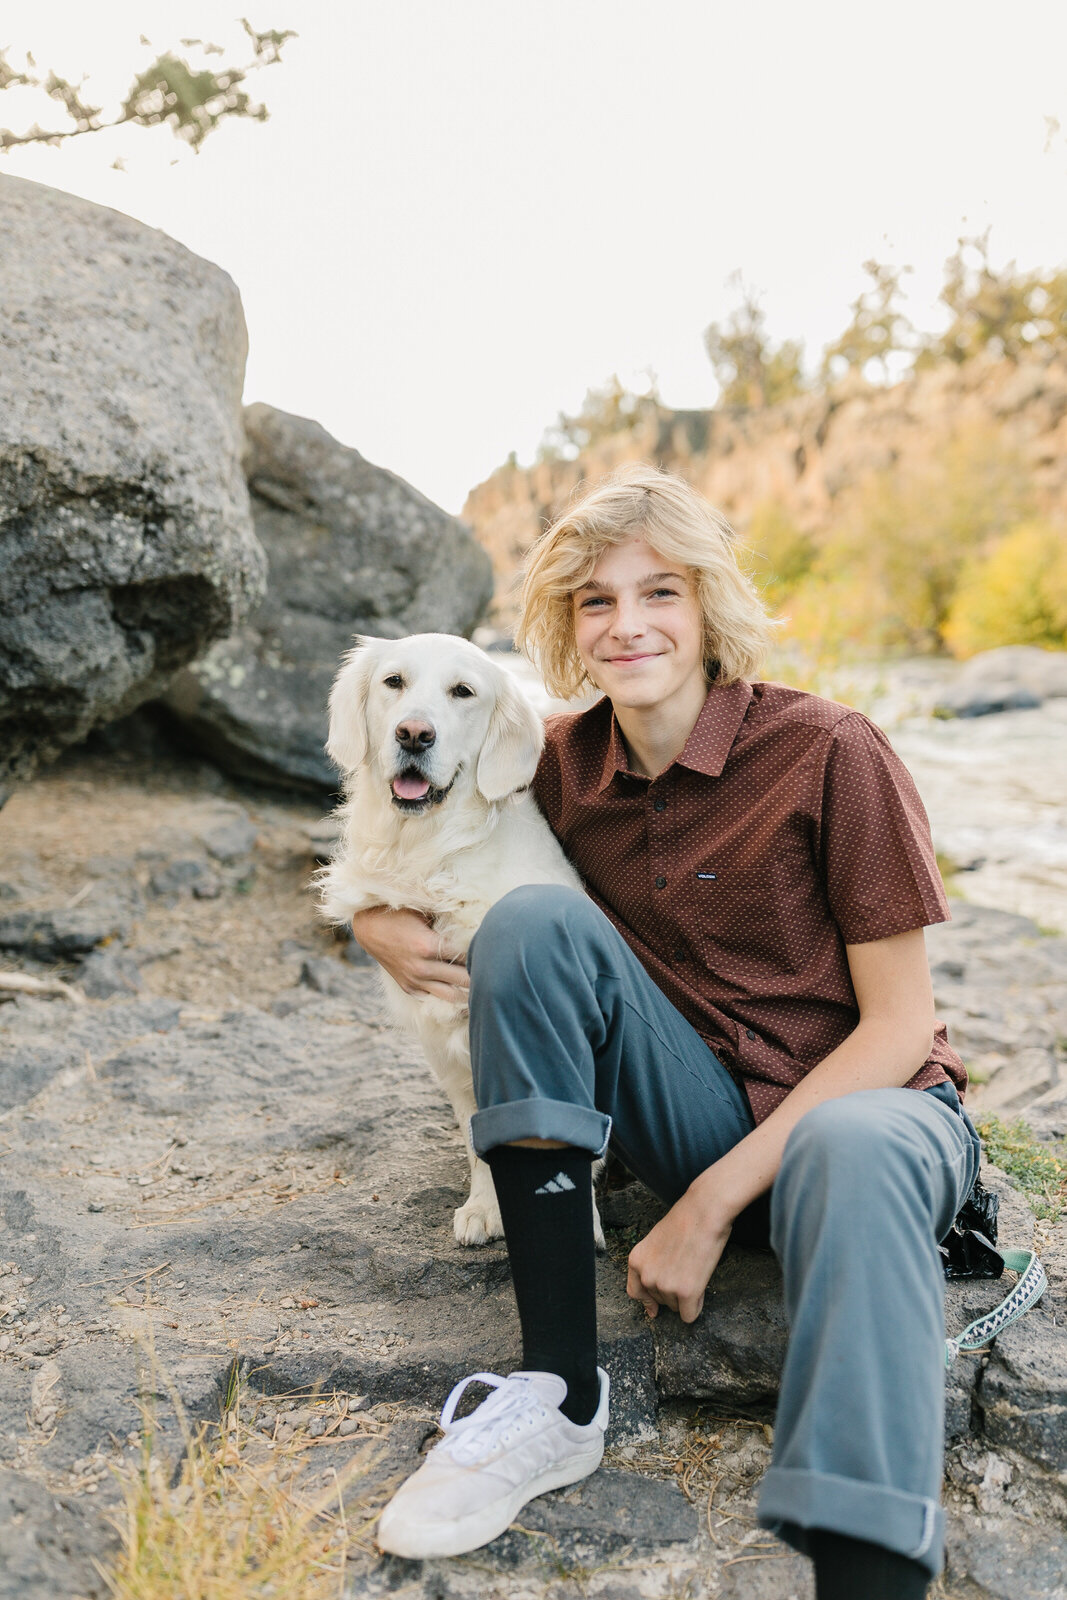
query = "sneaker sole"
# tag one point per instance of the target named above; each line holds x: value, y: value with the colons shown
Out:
x: 482, y: 1527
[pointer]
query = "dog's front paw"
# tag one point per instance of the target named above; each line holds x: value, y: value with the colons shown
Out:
x: 598, y: 1230
x: 477, y: 1222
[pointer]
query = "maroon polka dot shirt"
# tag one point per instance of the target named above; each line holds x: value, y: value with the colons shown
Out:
x: 786, y: 829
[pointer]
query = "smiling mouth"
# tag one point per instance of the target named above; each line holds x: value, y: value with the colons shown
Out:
x: 413, y: 792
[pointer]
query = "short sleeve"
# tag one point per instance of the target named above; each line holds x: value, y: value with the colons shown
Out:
x: 876, y: 852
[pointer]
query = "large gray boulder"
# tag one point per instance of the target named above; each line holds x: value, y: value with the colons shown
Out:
x: 352, y: 549
x: 126, y: 542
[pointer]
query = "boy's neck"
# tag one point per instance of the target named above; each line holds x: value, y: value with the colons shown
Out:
x: 656, y: 735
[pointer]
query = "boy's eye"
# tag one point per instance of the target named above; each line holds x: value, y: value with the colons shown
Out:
x: 593, y: 600
x: 393, y: 681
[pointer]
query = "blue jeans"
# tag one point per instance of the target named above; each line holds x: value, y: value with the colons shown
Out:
x: 572, y: 1040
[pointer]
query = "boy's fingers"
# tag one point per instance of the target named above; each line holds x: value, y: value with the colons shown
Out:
x: 637, y: 1291
x: 442, y: 991
x: 454, y: 966
x: 690, y: 1309
x: 442, y: 972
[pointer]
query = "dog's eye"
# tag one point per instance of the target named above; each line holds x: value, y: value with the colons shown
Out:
x: 393, y: 681
x: 461, y: 691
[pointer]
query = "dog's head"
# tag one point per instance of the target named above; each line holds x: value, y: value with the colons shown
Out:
x: 429, y: 714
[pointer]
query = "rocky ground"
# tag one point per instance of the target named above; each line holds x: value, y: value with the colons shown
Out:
x: 221, y: 1175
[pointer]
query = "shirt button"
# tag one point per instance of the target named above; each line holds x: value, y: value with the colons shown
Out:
x: 661, y: 883
x: 749, y: 1034
x: 679, y: 954
x: 659, y: 805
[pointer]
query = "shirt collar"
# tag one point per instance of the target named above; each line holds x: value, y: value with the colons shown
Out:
x: 707, y: 746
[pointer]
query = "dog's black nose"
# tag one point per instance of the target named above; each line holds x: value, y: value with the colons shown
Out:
x: 415, y: 736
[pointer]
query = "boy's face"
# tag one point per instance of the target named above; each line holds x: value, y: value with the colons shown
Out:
x: 638, y: 628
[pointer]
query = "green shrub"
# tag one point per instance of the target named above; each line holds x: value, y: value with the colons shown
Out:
x: 1040, y: 1170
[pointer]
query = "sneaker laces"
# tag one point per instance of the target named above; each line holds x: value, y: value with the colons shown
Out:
x: 473, y: 1437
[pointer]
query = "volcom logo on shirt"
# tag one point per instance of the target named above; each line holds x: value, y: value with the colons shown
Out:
x: 555, y: 1185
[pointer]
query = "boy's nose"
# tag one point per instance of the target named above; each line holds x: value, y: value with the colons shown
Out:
x: 627, y: 622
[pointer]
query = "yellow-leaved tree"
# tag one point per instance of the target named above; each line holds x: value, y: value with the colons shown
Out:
x: 776, y: 553
x: 887, y: 569
x: 1017, y: 594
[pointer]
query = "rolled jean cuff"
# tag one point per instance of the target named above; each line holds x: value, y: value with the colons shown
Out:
x: 791, y: 1501
x: 580, y: 1126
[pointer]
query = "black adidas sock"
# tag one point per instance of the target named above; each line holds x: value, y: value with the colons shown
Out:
x: 846, y: 1569
x: 546, y: 1203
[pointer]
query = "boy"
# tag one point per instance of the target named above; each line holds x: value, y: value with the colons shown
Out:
x: 741, y: 1003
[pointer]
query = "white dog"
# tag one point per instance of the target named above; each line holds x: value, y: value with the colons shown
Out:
x: 438, y: 746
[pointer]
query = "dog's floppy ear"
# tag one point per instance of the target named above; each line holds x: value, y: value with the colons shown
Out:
x: 512, y: 746
x: 346, y: 743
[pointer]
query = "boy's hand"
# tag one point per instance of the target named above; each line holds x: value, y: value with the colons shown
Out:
x: 404, y: 943
x: 673, y: 1264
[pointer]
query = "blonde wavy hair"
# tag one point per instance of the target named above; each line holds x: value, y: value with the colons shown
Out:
x: 639, y: 501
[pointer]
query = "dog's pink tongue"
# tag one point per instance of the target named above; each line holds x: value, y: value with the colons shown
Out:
x: 409, y: 786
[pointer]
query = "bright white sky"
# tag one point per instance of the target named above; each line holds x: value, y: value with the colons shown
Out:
x: 464, y: 213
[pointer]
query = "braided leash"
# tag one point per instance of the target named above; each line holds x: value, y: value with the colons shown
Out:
x: 1027, y: 1292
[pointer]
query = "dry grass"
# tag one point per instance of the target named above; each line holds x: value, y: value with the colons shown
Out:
x: 247, y: 1519
x: 716, y: 1461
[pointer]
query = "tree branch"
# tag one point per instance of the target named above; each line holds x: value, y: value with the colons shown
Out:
x: 169, y: 91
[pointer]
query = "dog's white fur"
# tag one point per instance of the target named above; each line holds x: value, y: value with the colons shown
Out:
x: 451, y: 859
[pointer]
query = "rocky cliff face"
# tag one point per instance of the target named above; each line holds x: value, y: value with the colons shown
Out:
x: 802, y: 456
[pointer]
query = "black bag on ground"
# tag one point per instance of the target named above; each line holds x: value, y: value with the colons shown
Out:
x: 970, y: 1248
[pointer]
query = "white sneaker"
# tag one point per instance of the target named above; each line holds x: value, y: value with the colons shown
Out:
x: 517, y: 1444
